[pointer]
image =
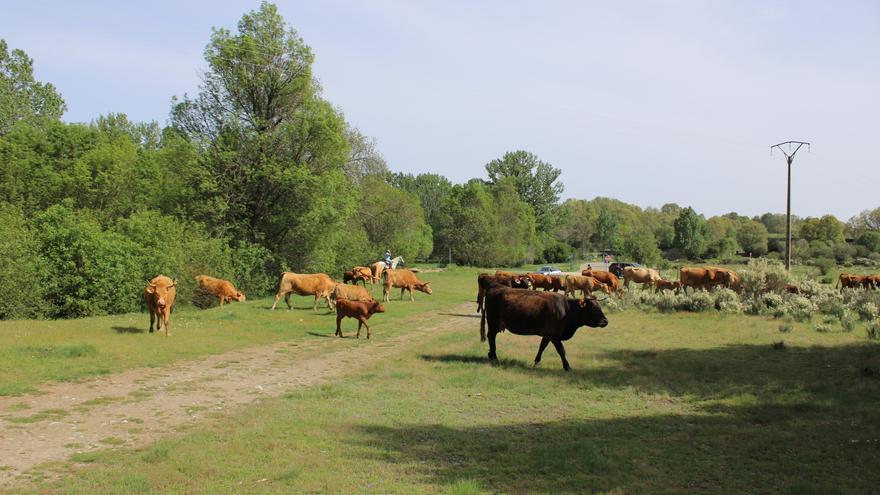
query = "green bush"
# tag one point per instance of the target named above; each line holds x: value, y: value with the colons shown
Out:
x: 825, y: 265
x: 799, y: 308
x: 20, y: 269
x: 727, y: 301
x: 700, y: 301
x: 88, y: 271
x: 873, y: 330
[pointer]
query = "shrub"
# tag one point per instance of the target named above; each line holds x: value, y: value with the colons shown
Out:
x: 847, y: 322
x: 873, y: 330
x: 88, y: 271
x: 19, y: 269
x: 799, y: 308
x: 668, y: 302
x: 825, y: 265
x: 867, y: 310
x: 727, y: 301
x: 700, y: 301
x: 785, y: 327
x: 823, y: 328
x: 831, y: 306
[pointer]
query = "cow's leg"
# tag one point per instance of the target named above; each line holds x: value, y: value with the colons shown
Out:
x: 544, y: 342
x: 222, y: 300
x: 167, y: 325
x: 277, y: 297
x: 152, y: 319
x: 561, y: 350
x: 411, y: 298
x: 287, y: 301
x: 402, y: 289
x: 339, y: 325
x: 317, y: 298
x: 494, y: 325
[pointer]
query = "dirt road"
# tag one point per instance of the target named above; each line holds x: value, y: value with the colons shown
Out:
x: 139, y: 406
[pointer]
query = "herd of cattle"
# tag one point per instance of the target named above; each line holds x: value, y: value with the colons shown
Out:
x: 349, y: 301
x: 507, y: 300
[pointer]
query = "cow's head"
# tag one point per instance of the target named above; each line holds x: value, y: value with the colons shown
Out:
x: 376, y: 307
x: 239, y: 296
x: 160, y: 292
x: 590, y: 313
x: 425, y: 287
x: 605, y: 288
x: 521, y: 282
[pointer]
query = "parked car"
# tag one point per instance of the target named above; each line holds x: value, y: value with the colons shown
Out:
x: 617, y: 267
x: 549, y: 270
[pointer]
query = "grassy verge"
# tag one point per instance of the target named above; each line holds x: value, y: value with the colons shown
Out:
x: 36, y: 352
x: 680, y: 403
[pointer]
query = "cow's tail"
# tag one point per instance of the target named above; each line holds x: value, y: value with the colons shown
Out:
x: 483, y: 325
x: 838, y: 282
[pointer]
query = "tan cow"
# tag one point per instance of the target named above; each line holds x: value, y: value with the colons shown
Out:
x: 644, y: 276
x: 606, y: 278
x: 708, y: 277
x: 159, y: 296
x: 546, y: 282
x: 222, y: 289
x: 356, y: 309
x: 377, y: 269
x: 364, y: 273
x: 405, y: 280
x: 319, y: 285
x: 585, y: 284
x: 349, y: 293
x: 661, y: 285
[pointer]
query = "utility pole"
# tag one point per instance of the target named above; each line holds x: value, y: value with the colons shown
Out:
x: 789, y: 157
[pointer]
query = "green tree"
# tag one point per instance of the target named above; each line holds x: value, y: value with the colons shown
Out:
x: 273, y: 171
x: 641, y: 246
x: 690, y: 234
x: 828, y: 228
x: 752, y: 237
x: 607, y: 227
x: 20, y: 268
x: 23, y: 98
x: 534, y: 180
x: 393, y: 219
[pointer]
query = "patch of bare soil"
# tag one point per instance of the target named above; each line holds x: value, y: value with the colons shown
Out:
x: 136, y: 407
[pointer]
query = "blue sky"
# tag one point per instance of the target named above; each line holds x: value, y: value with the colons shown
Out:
x: 646, y: 102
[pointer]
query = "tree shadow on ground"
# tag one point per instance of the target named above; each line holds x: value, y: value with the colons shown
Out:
x: 833, y: 375
x: 124, y: 330
x: 723, y: 453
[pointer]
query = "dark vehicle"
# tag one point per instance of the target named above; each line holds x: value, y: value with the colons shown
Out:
x: 617, y: 267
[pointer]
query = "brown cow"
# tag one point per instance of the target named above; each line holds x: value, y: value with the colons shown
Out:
x: 644, y: 276
x: 484, y: 280
x: 707, y: 277
x: 502, y: 273
x: 406, y: 280
x: 606, y: 278
x: 159, y: 296
x: 546, y: 282
x: 791, y: 289
x: 349, y: 293
x: 661, y: 285
x: 872, y: 281
x: 586, y: 285
x: 356, y: 309
x: 548, y: 314
x: 850, y: 281
x: 223, y: 289
x: 319, y: 285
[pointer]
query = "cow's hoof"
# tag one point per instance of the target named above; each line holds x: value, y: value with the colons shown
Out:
x: 567, y: 369
x: 537, y: 364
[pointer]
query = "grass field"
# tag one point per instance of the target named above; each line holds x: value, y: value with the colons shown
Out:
x: 37, y: 352
x: 657, y: 403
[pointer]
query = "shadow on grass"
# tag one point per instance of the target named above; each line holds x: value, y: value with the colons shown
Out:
x: 463, y: 315
x: 123, y: 330
x: 833, y: 375
x: 328, y: 335
x: 657, y: 454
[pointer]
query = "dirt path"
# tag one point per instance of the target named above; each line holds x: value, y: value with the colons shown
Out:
x: 137, y: 407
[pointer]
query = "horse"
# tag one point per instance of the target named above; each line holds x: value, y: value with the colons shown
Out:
x: 379, y: 267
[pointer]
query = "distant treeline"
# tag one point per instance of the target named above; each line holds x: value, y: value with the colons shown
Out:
x: 258, y: 173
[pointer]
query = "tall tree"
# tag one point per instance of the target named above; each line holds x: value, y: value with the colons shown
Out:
x: 273, y: 170
x: 690, y: 233
x: 535, y: 181
x: 23, y: 98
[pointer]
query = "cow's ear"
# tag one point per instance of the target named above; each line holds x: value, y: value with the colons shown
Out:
x: 582, y: 302
x: 427, y: 283
x: 151, y: 289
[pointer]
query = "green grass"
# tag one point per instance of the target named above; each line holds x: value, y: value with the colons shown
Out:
x: 657, y: 403
x: 33, y: 353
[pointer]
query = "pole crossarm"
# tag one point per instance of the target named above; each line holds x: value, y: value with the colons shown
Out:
x: 790, y: 143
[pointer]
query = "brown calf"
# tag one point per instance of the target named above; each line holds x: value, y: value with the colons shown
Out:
x: 222, y: 289
x: 356, y: 309
x: 661, y: 285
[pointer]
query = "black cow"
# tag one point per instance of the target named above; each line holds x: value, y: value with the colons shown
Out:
x: 484, y: 280
x: 548, y: 314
